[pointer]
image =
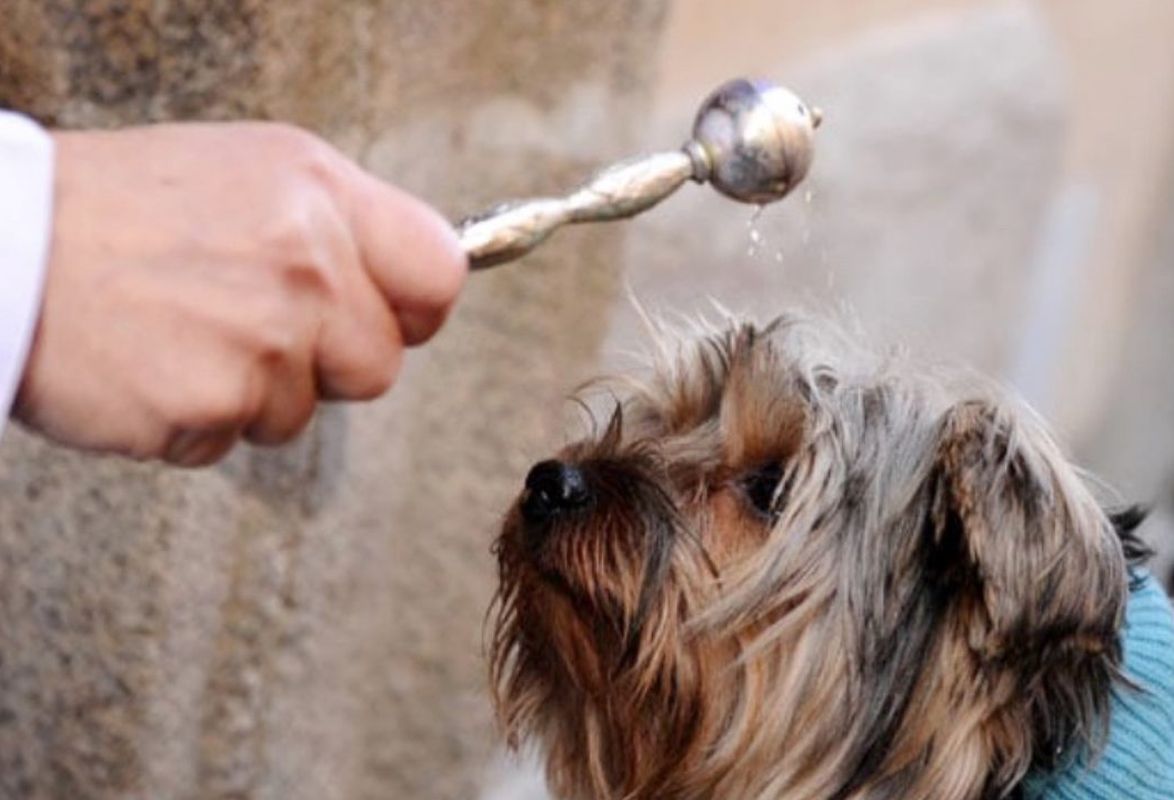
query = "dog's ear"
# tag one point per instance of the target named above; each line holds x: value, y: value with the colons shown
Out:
x: 1032, y: 574
x: 1039, y: 572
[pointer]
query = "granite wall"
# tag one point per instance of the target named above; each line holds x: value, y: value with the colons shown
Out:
x: 306, y: 623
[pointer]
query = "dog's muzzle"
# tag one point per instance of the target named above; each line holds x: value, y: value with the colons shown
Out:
x: 553, y: 488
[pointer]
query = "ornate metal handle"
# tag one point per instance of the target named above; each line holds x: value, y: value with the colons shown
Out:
x: 513, y: 229
x: 752, y: 140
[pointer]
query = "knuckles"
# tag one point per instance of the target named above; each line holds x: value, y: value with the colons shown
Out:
x: 303, y: 236
x: 303, y: 245
x: 303, y: 250
x: 299, y: 153
x: 274, y: 329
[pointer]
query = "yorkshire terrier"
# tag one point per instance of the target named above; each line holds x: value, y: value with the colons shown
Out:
x: 791, y: 568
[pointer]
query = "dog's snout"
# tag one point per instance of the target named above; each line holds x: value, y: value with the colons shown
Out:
x: 553, y: 487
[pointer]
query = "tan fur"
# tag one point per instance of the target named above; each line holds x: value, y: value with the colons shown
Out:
x: 928, y: 611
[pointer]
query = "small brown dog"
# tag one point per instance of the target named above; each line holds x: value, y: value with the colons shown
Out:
x: 789, y: 568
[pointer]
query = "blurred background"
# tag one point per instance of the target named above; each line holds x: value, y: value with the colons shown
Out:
x: 993, y: 185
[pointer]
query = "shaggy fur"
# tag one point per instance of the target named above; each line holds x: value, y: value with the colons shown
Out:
x: 806, y: 571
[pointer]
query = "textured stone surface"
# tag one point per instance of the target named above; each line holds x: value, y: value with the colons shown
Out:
x: 306, y: 623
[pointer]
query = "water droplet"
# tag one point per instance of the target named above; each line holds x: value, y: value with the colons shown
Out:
x: 807, y: 196
x: 756, y: 239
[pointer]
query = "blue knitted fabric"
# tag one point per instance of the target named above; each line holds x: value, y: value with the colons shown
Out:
x: 1138, y: 760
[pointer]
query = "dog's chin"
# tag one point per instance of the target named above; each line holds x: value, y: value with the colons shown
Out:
x: 549, y: 548
x: 556, y: 580
x: 577, y: 562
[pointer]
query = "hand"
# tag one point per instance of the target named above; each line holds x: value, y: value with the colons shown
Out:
x: 209, y: 282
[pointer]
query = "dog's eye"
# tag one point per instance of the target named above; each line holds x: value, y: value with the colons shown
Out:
x: 759, y: 487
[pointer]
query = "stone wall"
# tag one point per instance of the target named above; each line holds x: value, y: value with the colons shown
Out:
x: 306, y: 623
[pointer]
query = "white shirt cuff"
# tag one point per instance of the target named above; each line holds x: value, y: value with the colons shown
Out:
x: 26, y: 219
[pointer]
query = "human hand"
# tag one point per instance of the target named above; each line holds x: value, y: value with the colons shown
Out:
x: 208, y: 282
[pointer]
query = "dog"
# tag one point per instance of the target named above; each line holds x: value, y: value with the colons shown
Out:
x: 789, y: 567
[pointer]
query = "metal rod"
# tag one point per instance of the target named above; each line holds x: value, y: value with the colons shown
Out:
x: 752, y: 140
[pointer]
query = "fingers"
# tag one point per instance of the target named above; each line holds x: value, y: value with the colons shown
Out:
x: 199, y: 448
x: 393, y: 268
x: 356, y: 348
x: 288, y: 405
x: 345, y: 371
x: 412, y: 254
x: 249, y: 272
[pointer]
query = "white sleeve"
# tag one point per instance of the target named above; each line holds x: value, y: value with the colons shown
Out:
x: 26, y: 219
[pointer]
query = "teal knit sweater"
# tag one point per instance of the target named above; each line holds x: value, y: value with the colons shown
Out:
x: 1138, y: 760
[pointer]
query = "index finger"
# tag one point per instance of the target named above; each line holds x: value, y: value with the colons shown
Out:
x: 411, y: 252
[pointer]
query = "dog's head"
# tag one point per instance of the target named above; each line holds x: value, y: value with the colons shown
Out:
x: 790, y: 568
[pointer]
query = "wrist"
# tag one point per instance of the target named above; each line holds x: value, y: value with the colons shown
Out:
x: 26, y: 219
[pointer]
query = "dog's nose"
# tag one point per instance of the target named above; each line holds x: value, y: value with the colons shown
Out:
x: 551, y: 487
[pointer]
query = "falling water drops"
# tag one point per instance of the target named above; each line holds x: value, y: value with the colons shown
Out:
x: 808, y: 196
x: 756, y: 238
x: 760, y: 246
x: 755, y: 242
